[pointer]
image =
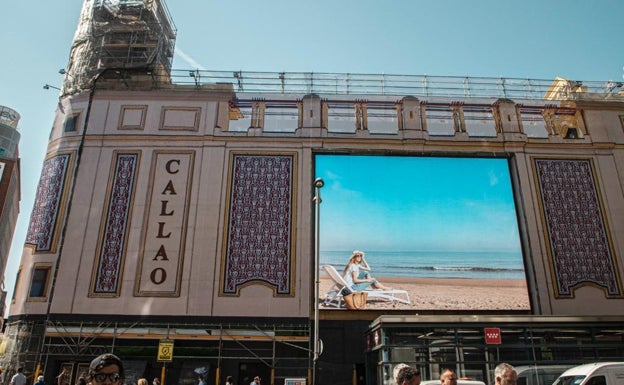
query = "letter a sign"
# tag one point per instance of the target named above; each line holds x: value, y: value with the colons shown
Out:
x: 493, y: 336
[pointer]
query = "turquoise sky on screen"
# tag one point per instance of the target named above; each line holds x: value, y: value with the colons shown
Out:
x: 391, y: 203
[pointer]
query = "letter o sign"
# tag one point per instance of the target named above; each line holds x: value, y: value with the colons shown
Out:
x: 158, y: 276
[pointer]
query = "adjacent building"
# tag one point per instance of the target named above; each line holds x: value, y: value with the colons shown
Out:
x: 174, y: 221
x: 9, y: 187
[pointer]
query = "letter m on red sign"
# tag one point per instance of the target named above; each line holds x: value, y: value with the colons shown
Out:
x: 493, y: 336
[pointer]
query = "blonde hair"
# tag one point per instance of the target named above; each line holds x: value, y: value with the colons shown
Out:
x: 142, y: 381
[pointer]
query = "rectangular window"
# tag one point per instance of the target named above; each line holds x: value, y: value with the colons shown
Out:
x: 39, y: 284
x: 71, y: 123
x: 441, y: 120
x: 341, y: 117
x: 382, y: 118
x: 17, y: 279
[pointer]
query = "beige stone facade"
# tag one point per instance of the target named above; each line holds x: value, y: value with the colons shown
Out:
x: 139, y: 204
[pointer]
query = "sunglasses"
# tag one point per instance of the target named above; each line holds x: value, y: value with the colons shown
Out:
x: 101, y: 377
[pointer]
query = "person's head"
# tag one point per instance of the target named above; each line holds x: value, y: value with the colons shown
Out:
x: 156, y: 381
x: 40, y: 378
x: 257, y: 379
x: 356, y: 256
x: 229, y: 379
x: 106, y: 369
x: 395, y: 371
x: 448, y: 377
x: 505, y: 374
x: 142, y: 381
x: 408, y: 376
x: 82, y: 381
x: 20, y: 369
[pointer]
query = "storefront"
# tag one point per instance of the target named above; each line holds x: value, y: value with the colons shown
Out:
x: 474, y: 345
x: 272, y: 349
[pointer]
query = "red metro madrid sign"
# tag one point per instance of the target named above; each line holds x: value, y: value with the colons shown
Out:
x: 493, y: 336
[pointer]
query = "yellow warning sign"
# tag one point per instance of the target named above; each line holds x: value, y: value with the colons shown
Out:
x: 165, y: 350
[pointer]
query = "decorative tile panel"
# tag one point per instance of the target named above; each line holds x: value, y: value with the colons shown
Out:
x: 45, y: 213
x: 578, y: 238
x: 112, y: 245
x: 259, y: 236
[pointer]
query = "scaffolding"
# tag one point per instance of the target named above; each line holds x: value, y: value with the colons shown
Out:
x: 42, y: 346
x: 21, y: 343
x: 121, y: 35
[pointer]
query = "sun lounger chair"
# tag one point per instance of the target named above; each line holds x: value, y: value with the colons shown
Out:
x: 334, y: 296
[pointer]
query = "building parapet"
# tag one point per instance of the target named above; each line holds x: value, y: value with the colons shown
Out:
x: 412, y: 85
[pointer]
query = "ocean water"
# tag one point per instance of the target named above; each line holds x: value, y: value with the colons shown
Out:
x: 434, y: 264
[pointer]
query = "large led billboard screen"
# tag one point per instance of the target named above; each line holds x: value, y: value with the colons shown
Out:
x: 442, y: 229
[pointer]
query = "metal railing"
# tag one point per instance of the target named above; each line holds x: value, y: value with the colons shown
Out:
x: 414, y: 85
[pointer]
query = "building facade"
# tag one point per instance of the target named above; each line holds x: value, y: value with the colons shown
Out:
x: 174, y: 222
x: 9, y: 186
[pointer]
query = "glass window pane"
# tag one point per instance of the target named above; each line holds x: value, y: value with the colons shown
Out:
x: 38, y: 285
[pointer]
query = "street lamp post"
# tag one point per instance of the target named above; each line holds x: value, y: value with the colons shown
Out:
x: 48, y: 86
x: 318, y: 184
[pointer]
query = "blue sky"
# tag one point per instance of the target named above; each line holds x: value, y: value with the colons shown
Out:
x: 540, y: 39
x: 416, y: 204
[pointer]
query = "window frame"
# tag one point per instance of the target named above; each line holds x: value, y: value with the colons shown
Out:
x: 47, y: 267
x: 75, y: 119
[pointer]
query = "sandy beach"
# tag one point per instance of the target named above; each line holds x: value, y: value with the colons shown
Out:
x: 448, y: 294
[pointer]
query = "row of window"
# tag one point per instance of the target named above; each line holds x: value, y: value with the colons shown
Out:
x: 387, y: 118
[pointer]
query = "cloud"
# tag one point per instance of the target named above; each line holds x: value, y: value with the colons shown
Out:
x: 493, y: 178
x: 188, y: 59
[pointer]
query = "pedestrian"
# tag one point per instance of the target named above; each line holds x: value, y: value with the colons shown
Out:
x: 106, y: 369
x: 19, y: 378
x: 156, y: 381
x: 142, y: 381
x: 448, y: 377
x: 395, y: 371
x: 408, y: 376
x: 229, y: 380
x: 40, y: 381
x: 202, y: 380
x: 505, y: 374
x: 62, y: 378
x: 256, y: 381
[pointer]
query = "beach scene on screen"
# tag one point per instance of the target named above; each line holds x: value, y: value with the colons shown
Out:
x: 444, y: 229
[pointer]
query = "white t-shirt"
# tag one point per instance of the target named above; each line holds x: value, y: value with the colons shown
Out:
x: 349, y: 275
x: 18, y: 379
